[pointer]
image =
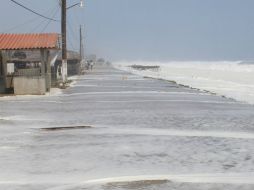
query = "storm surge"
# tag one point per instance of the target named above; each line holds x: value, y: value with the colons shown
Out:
x: 230, y: 79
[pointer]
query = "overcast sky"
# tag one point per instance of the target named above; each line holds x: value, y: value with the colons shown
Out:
x: 150, y: 30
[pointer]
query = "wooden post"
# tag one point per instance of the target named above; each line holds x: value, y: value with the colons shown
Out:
x: 1, y: 65
x: 64, y: 42
x: 43, y: 66
x: 4, y: 62
x: 46, y: 68
x: 80, y: 44
x: 42, y: 62
x: 3, y: 81
x: 48, y: 72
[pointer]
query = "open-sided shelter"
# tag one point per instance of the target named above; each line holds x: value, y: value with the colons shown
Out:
x: 24, y: 75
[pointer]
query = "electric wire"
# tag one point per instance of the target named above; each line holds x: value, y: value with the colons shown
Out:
x: 71, y: 44
x: 36, y: 27
x: 73, y: 35
x: 78, y: 20
x: 68, y: 36
x: 27, y: 22
x: 74, y: 21
x: 20, y: 25
x: 49, y: 21
x: 42, y: 22
x: 19, y: 4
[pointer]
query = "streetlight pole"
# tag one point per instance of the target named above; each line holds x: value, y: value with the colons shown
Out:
x: 81, y: 43
x: 64, y: 44
x: 64, y: 68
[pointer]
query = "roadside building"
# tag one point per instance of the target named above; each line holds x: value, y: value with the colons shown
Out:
x: 21, y: 72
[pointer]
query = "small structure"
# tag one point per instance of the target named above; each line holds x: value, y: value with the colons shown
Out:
x: 73, y: 63
x: 22, y: 74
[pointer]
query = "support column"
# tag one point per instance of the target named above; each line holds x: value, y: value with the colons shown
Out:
x: 1, y: 65
x: 4, y: 62
x: 48, y: 71
x: 2, y: 74
x: 43, y: 66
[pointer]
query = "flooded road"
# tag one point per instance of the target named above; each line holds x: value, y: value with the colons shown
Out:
x: 121, y: 131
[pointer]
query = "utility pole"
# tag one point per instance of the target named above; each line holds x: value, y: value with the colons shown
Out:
x: 81, y: 43
x: 64, y: 67
x: 64, y: 44
x: 81, y: 48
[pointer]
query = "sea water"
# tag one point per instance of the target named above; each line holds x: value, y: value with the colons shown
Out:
x: 231, y: 79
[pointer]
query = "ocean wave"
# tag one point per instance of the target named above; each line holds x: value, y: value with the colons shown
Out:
x: 229, y: 79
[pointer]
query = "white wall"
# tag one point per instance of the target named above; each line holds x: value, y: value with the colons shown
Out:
x: 29, y: 85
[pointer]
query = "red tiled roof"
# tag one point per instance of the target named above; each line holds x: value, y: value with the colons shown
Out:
x: 28, y: 41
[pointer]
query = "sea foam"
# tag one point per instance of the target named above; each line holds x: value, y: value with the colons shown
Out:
x: 231, y: 79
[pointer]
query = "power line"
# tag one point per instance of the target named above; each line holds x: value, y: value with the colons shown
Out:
x: 20, y: 25
x: 71, y: 44
x: 28, y: 22
x: 19, y: 4
x: 36, y: 27
x: 49, y: 21
x: 73, y: 23
x: 41, y: 23
x: 72, y: 34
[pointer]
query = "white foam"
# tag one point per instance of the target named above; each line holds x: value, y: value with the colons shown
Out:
x: 171, y: 100
x: 233, y: 178
x: 181, y: 133
x: 7, y: 147
x: 133, y: 92
x: 12, y: 118
x: 5, y: 118
x: 195, y: 178
x: 213, y: 178
x: 53, y: 92
x: 230, y: 79
x: 84, y: 85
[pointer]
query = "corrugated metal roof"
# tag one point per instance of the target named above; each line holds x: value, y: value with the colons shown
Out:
x: 28, y: 41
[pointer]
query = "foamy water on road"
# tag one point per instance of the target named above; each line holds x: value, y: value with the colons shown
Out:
x: 142, y: 134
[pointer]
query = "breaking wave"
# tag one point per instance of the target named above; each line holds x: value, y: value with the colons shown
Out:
x: 230, y: 79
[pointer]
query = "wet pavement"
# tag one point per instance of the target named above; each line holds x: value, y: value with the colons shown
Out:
x: 122, y: 131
